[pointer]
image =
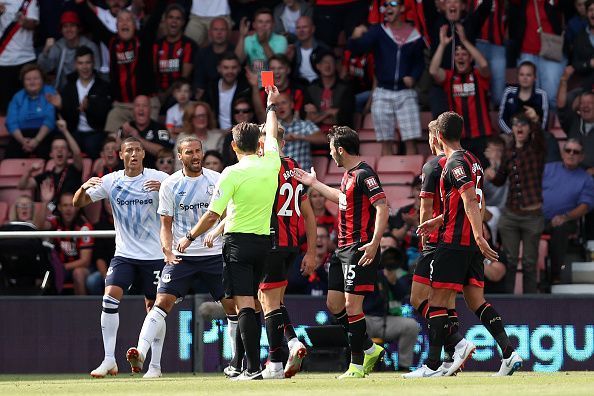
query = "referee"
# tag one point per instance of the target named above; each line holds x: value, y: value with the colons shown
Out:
x: 249, y: 188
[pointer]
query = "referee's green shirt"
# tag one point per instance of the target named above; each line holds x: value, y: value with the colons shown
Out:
x: 247, y: 189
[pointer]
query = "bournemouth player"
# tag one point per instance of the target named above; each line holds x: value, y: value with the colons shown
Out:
x: 362, y: 217
x: 431, y: 207
x: 458, y: 263
x: 290, y: 204
x: 183, y: 199
x: 249, y: 188
x: 134, y: 197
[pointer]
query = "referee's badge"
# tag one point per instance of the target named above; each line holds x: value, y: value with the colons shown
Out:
x: 210, y: 189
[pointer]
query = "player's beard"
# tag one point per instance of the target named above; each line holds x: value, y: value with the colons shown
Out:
x: 338, y: 159
x: 194, y: 168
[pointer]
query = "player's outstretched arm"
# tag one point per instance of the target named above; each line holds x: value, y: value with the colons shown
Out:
x: 310, y: 179
x: 166, y: 237
x: 381, y: 221
x: 204, y: 224
x: 81, y: 198
x: 427, y: 227
x: 473, y: 212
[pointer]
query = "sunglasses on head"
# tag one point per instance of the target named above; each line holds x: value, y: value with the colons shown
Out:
x: 391, y: 4
x: 165, y: 161
x: 572, y: 151
x: 242, y: 111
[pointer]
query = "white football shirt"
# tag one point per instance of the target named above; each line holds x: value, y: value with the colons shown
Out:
x: 186, y: 199
x: 137, y: 223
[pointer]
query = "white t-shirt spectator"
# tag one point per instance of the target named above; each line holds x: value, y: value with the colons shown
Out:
x: 289, y: 18
x: 305, y: 69
x: 210, y: 8
x: 174, y: 117
x: 83, y: 92
x: 19, y: 49
x: 225, y: 99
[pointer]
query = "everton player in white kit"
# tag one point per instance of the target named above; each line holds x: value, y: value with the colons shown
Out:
x: 184, y: 197
x: 134, y: 197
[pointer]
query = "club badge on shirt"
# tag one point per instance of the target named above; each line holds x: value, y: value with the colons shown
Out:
x: 371, y: 183
x: 459, y: 173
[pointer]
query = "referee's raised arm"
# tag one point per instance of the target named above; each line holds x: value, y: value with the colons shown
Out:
x: 271, y: 126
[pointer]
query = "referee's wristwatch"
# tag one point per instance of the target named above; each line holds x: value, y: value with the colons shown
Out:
x: 189, y: 236
x: 271, y: 107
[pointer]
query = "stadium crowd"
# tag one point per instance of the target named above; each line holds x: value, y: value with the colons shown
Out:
x: 78, y: 77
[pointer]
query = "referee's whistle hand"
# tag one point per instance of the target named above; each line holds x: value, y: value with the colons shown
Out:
x: 183, y: 244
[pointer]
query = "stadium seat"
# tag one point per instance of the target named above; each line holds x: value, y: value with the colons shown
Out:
x: 333, y: 180
x: 320, y: 164
x: 371, y: 149
x: 3, y: 212
x: 368, y: 121
x: 396, y: 195
x: 400, y: 163
x: 396, y: 178
x: 333, y: 169
x: 12, y: 169
x: 397, y: 203
x: 10, y: 195
x: 426, y: 118
x: 366, y: 135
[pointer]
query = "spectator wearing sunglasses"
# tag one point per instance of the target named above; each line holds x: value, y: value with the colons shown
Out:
x: 522, y: 219
x: 568, y: 194
x: 165, y: 161
x: 242, y: 112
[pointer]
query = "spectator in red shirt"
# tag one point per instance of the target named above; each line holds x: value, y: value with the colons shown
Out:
x: 467, y: 89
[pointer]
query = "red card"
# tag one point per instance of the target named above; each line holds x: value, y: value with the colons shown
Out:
x: 267, y: 78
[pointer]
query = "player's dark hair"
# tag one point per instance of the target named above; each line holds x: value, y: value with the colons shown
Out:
x: 246, y: 136
x: 83, y: 50
x: 345, y: 137
x: 529, y: 64
x: 131, y: 139
x: 450, y: 124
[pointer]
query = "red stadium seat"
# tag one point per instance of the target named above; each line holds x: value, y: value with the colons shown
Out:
x: 10, y: 195
x: 333, y: 180
x: 320, y: 164
x: 12, y: 169
x: 3, y: 212
x: 333, y: 169
x: 368, y: 121
x: 366, y: 135
x: 400, y: 163
x: 396, y: 178
x: 371, y: 149
x: 396, y: 195
x: 426, y: 118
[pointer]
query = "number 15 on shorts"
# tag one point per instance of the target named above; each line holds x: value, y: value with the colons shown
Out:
x: 349, y: 271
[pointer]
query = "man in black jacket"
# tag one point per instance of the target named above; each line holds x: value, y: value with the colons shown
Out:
x: 84, y: 103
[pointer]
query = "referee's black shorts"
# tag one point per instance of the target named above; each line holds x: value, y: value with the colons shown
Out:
x: 244, y: 256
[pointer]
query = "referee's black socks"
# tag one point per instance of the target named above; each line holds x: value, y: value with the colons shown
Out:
x: 492, y: 322
x: 248, y: 327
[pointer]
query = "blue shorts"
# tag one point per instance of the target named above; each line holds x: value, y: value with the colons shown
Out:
x: 176, y: 279
x: 123, y: 271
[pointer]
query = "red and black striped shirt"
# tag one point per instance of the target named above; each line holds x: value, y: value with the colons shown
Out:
x: 461, y: 172
x: 360, y: 188
x: 169, y: 58
x: 467, y: 96
x: 430, y: 188
x: 287, y: 211
x: 69, y: 248
x: 493, y: 29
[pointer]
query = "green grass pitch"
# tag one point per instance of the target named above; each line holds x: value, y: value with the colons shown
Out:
x: 469, y: 383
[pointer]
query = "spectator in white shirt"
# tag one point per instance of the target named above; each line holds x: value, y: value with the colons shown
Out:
x: 201, y: 13
x: 182, y: 91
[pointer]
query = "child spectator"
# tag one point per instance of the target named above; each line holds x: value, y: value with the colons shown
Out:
x: 174, y: 120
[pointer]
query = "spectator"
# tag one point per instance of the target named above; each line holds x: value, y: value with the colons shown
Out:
x: 398, y: 54
x: 59, y: 59
x: 526, y: 40
x: 323, y: 216
x: 383, y: 310
x: 330, y: 101
x: 103, y: 251
x: 84, y: 103
x: 207, y: 59
x: 388, y: 241
x: 568, y: 194
x: 18, y: 20
x: 74, y: 253
x: 495, y: 196
x: 403, y: 225
x: 467, y: 89
x: 25, y: 210
x: 173, y: 54
x: 334, y: 16
x: 63, y: 176
x: 315, y: 284
x: 30, y: 118
x: 109, y: 161
x: 449, y: 14
x: 281, y: 68
x: 305, y: 46
x: 583, y: 50
x: 259, y: 47
x: 242, y: 112
x: 524, y: 97
x: 182, y: 91
x: 490, y: 43
x: 299, y: 134
x: 131, y: 69
x: 494, y: 270
x: 522, y: 219
x: 578, y: 121
x: 152, y: 135
x: 359, y: 72
x: 199, y: 120
x: 576, y: 25
x: 202, y: 13
x: 230, y: 85
x: 287, y: 15
x: 165, y: 161
x: 213, y: 160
